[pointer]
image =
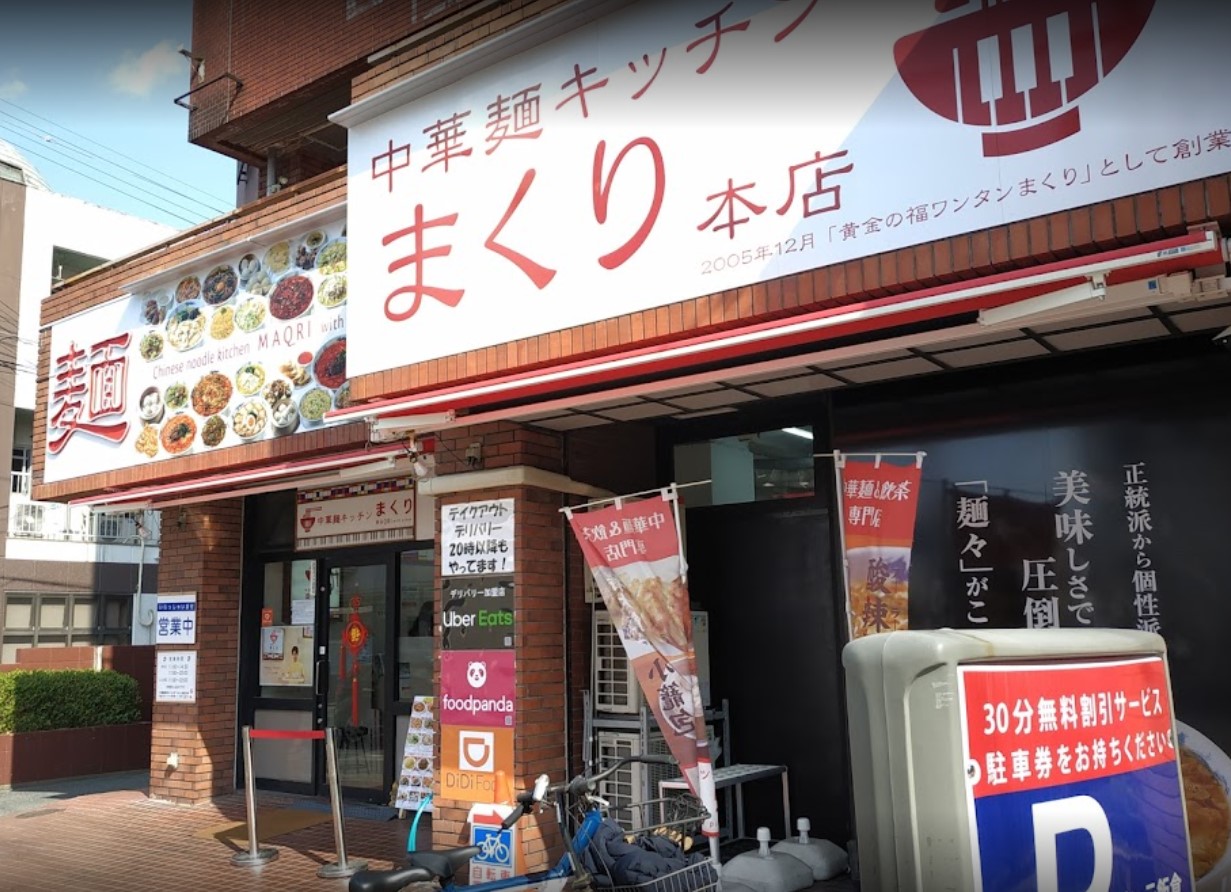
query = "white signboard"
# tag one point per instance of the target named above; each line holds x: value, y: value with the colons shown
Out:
x: 177, y: 619
x: 249, y: 347
x: 671, y: 150
x: 380, y: 511
x: 175, y: 677
x: 476, y: 538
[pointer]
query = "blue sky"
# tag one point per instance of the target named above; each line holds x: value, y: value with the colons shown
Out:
x: 86, y: 90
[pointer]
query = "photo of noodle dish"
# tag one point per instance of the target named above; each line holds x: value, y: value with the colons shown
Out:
x: 211, y: 394
x: 1206, y: 771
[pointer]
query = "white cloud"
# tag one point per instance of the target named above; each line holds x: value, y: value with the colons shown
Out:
x: 11, y: 89
x: 139, y: 75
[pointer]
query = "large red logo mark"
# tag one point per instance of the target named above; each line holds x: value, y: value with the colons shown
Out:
x: 1018, y: 67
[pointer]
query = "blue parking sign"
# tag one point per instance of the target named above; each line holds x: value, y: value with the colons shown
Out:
x: 1073, y: 778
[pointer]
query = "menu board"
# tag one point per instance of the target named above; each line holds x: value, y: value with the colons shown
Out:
x: 415, y: 782
x: 248, y: 347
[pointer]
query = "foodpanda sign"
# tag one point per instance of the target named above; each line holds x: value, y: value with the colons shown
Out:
x: 1072, y: 777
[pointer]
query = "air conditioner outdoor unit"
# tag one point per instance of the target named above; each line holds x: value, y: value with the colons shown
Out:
x: 632, y: 783
x: 615, y: 683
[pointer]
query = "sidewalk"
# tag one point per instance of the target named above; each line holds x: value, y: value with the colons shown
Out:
x: 104, y: 834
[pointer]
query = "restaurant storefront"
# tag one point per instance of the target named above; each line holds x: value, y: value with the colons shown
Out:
x: 759, y: 291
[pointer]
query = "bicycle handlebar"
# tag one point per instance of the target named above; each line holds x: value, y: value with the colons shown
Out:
x: 576, y: 787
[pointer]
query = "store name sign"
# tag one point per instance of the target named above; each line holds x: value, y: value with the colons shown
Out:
x: 668, y: 151
x: 248, y: 347
x: 355, y: 514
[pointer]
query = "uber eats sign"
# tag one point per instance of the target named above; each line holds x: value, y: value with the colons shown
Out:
x: 477, y: 613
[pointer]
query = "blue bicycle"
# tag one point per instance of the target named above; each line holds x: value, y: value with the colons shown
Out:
x: 580, y: 812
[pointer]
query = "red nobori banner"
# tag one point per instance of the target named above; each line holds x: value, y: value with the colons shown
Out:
x: 633, y: 549
x: 878, y: 499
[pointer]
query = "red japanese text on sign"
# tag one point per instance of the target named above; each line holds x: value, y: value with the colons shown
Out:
x: 641, y: 532
x: 1039, y: 726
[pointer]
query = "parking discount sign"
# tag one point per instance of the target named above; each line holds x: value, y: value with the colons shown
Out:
x: 1073, y: 782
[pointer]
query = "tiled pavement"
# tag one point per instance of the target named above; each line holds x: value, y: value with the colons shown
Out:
x: 105, y: 835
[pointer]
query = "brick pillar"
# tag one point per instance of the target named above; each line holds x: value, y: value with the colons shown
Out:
x: 540, y: 708
x: 202, y: 553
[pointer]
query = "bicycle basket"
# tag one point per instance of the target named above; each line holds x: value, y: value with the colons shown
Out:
x: 676, y: 820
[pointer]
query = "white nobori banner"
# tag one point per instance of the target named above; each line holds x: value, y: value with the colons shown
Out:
x: 671, y: 150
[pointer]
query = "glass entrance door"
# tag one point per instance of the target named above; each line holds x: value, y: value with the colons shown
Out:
x: 357, y: 698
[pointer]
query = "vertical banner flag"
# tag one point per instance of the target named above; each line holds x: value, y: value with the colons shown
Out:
x: 634, y: 551
x: 877, y: 500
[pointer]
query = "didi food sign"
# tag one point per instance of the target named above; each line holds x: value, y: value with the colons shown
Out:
x: 1018, y: 70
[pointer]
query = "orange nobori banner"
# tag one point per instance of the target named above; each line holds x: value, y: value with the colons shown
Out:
x: 878, y: 496
x: 633, y: 548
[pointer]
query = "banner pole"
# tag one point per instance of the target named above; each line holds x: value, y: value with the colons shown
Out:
x: 839, y: 461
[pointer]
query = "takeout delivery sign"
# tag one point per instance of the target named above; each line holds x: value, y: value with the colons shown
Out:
x: 97, y: 373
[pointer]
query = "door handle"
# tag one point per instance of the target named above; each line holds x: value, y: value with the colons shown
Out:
x: 322, y: 678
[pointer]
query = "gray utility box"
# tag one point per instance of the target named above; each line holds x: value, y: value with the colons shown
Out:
x: 1015, y: 759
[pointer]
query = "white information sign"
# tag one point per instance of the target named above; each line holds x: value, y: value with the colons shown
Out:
x: 177, y: 619
x: 476, y: 538
x: 248, y: 347
x: 670, y: 150
x: 380, y: 511
x: 175, y: 677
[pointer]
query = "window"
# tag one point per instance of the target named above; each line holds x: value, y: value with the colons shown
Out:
x: 57, y: 619
x: 769, y: 464
x: 418, y: 616
x: 20, y: 480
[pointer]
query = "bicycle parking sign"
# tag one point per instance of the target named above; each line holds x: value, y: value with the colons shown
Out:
x: 496, y: 859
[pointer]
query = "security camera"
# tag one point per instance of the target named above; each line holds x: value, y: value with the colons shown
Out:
x: 1223, y: 338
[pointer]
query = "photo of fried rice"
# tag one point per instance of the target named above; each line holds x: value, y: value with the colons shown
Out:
x: 147, y: 440
x: 222, y: 323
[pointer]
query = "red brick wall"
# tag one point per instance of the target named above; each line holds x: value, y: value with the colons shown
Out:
x: 539, y: 617
x: 278, y: 46
x: 204, y: 555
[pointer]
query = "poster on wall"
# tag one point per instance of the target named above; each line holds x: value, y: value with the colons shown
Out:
x: 415, y: 779
x: 249, y: 347
x: 877, y: 497
x: 1058, y: 751
x: 749, y: 141
x: 476, y: 538
x: 477, y: 613
x: 177, y: 618
x: 175, y: 676
x: 633, y: 547
x: 1107, y: 519
x: 355, y: 514
x: 286, y: 656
